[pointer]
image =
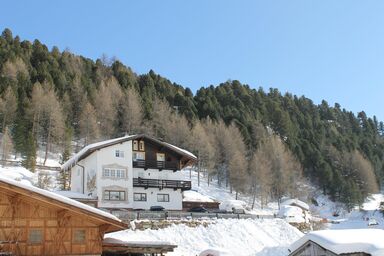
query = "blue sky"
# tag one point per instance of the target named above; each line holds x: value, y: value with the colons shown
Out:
x: 323, y: 49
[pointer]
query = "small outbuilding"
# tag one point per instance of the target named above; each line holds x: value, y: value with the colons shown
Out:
x: 297, y: 203
x: 351, y: 242
x: 34, y: 221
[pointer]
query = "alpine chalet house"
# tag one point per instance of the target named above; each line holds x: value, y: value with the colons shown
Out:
x: 131, y: 172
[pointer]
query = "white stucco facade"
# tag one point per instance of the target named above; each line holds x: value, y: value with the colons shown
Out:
x: 92, y: 175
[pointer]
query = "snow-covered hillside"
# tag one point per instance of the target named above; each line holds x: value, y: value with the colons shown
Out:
x: 368, y: 215
x: 223, y: 194
x: 248, y: 237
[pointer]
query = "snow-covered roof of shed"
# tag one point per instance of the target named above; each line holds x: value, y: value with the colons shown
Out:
x: 87, y: 150
x: 370, y: 241
x: 60, y: 198
x: 296, y: 202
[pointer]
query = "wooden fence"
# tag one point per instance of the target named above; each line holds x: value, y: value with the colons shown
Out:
x: 179, y: 215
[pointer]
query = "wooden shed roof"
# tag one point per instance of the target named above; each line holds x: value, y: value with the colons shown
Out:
x: 51, y: 199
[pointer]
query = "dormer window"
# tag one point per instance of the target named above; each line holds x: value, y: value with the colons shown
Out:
x: 135, y: 145
x: 141, y: 145
x: 119, y: 153
x: 138, y: 145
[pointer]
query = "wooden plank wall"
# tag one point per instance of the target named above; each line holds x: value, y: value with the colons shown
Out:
x: 20, y: 214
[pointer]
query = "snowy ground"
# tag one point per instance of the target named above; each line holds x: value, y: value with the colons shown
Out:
x: 236, y: 237
x: 222, y: 194
x: 356, y: 219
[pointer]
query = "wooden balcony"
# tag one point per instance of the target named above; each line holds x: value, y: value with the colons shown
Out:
x: 174, y: 166
x: 152, y: 183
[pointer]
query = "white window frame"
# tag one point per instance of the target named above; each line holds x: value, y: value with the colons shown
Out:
x: 119, y: 153
x: 114, y: 173
x: 162, y: 197
x: 143, y: 197
x: 140, y: 154
x: 120, y: 197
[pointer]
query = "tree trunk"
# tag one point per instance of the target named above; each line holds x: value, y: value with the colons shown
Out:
x: 48, y: 141
x: 253, y: 199
x: 198, y: 170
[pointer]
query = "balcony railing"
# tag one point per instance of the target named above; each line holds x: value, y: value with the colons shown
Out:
x: 146, y: 164
x: 152, y: 183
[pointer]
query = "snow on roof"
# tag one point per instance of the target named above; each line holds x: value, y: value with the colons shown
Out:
x: 180, y: 149
x: 58, y: 197
x: 296, y: 202
x: 110, y: 240
x: 292, y: 214
x: 91, y: 147
x: 193, y: 196
x: 287, y: 210
x: 370, y: 241
x: 72, y: 194
x: 73, y: 160
x: 214, y: 252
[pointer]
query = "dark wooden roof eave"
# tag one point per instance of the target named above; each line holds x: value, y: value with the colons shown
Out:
x: 133, y: 137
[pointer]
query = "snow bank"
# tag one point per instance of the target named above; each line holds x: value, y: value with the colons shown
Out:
x: 193, y: 196
x: 18, y: 173
x: 233, y: 205
x: 237, y: 237
x: 370, y: 241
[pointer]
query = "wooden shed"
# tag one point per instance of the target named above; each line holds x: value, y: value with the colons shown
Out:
x: 34, y: 221
x: 347, y: 242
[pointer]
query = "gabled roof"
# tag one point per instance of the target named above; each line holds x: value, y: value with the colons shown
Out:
x: 370, y: 241
x: 86, y: 151
x: 63, y: 202
x: 296, y: 202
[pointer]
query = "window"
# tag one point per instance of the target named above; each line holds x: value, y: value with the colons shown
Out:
x: 107, y: 173
x: 162, y: 198
x: 138, y: 156
x: 79, y: 236
x: 114, y: 173
x: 35, y: 236
x: 139, y: 197
x: 120, y: 173
x: 141, y: 145
x: 135, y: 145
x: 160, y: 157
x: 119, y: 153
x: 114, y: 195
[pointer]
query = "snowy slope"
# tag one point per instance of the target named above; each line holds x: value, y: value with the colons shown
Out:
x: 222, y: 194
x: 356, y: 219
x: 237, y: 237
